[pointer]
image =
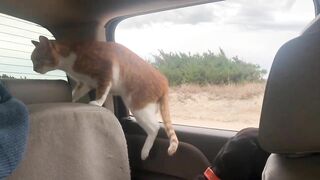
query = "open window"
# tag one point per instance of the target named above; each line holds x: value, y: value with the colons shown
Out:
x: 216, y: 56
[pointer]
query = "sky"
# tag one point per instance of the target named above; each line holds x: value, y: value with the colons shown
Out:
x: 253, y: 30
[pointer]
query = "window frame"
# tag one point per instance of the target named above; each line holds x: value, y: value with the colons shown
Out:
x: 120, y: 110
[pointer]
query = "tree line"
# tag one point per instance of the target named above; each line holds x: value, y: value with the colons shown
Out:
x: 206, y: 68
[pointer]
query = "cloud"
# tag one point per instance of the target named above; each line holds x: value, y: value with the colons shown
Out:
x: 243, y: 14
x: 264, y: 15
x: 289, y: 4
x: 188, y: 15
x: 251, y: 29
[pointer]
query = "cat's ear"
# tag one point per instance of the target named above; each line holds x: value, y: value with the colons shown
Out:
x: 35, y: 43
x: 44, y: 40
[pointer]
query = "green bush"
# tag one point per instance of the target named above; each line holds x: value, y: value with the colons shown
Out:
x: 4, y: 76
x: 206, y: 68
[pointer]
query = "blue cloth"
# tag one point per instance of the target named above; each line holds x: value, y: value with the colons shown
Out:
x: 13, y: 132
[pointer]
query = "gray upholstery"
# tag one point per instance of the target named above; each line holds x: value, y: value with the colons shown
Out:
x: 39, y: 91
x: 281, y: 168
x: 45, y: 91
x: 73, y: 141
x: 290, y: 117
x: 313, y: 26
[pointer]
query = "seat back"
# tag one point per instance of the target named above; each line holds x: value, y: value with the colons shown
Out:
x: 289, y: 125
x: 73, y: 141
x: 68, y: 140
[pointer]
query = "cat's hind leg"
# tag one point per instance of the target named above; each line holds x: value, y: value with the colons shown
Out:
x: 101, y: 95
x: 148, y: 119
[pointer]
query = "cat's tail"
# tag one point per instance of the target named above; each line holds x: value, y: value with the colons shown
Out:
x: 164, y: 109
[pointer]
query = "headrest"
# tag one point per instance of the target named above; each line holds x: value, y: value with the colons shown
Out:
x: 39, y: 91
x: 290, y: 117
x: 313, y: 26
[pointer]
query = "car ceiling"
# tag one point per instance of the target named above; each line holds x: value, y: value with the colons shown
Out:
x: 60, y: 12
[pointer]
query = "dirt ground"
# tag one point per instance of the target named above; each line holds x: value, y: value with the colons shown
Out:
x: 223, y: 107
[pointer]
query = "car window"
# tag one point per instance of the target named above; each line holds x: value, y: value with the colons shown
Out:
x: 216, y: 56
x: 16, y: 47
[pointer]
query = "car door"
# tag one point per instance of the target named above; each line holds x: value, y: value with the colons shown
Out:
x: 200, y: 143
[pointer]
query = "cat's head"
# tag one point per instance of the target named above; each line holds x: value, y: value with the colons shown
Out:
x: 44, y: 56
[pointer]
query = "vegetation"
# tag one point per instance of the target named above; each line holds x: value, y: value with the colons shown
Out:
x: 206, y: 68
x: 4, y: 76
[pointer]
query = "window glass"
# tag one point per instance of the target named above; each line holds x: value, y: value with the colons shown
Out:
x: 16, y: 48
x: 216, y: 56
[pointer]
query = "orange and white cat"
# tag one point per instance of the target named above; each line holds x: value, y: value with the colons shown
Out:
x: 111, y: 67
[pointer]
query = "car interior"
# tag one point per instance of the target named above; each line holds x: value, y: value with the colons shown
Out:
x: 79, y: 141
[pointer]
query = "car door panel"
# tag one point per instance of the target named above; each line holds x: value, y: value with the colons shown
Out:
x: 197, y: 148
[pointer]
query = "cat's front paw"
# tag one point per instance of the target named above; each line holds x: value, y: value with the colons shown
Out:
x: 94, y: 103
x: 144, y: 153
